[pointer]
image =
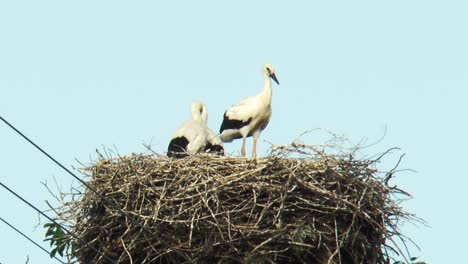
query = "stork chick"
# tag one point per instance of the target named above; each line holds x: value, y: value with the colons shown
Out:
x: 194, y: 136
x: 190, y: 137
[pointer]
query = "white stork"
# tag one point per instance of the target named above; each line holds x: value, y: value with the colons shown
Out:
x: 251, y: 115
x: 193, y: 135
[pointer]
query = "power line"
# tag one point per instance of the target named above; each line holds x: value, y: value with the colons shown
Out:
x: 55, y: 222
x: 113, y: 205
x: 30, y: 240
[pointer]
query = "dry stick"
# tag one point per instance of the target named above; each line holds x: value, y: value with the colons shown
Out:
x: 114, y: 206
x: 191, y: 229
x: 338, y: 246
x: 265, y: 242
x: 390, y: 173
x: 126, y: 251
x: 214, y: 217
x: 285, y: 193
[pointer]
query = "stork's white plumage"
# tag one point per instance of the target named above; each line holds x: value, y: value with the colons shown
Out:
x: 190, y: 137
x: 251, y: 115
x: 193, y: 135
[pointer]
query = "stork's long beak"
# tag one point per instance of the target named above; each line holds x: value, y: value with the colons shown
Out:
x: 273, y: 76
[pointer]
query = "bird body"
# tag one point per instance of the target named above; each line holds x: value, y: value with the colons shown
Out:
x: 251, y: 115
x: 245, y: 118
x: 193, y: 135
x: 190, y: 137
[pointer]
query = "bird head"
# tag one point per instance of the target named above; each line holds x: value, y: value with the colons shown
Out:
x: 270, y: 72
x: 199, y: 111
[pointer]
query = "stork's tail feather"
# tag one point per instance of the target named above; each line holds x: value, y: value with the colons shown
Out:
x: 229, y: 135
x: 214, y: 149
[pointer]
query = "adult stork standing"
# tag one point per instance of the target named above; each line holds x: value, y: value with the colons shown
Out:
x: 194, y: 136
x: 251, y: 115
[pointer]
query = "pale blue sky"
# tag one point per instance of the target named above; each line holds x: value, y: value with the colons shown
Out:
x: 79, y: 75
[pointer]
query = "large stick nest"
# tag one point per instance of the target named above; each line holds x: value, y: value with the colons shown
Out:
x: 314, y: 208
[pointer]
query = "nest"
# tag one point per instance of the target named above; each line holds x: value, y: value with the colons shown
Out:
x: 313, y: 208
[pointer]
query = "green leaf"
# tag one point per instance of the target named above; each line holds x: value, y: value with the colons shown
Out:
x: 58, y: 239
x: 52, y: 253
x: 60, y: 231
x: 58, y: 234
x: 49, y: 232
x: 60, y: 249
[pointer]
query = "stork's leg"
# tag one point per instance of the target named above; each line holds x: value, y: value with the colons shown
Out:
x: 243, y: 147
x: 254, y: 150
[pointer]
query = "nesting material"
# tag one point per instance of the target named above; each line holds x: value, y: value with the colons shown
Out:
x: 297, y: 205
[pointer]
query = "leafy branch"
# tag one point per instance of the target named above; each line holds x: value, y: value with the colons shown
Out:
x: 58, y: 239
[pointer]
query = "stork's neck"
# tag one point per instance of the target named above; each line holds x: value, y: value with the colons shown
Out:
x: 200, y: 117
x: 204, y: 116
x: 197, y: 117
x: 266, y: 92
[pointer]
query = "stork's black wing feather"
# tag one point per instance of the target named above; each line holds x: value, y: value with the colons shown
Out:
x: 177, y: 147
x: 233, y: 123
x: 216, y: 149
